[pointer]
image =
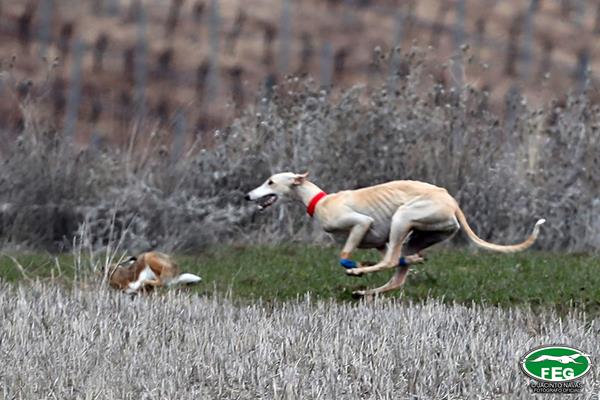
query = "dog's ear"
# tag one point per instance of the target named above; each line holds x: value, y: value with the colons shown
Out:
x: 300, y: 178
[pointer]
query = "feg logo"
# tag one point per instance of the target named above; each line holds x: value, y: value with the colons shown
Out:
x: 556, y: 364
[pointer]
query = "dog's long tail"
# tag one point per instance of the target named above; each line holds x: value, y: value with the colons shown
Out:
x: 513, y: 248
x: 185, y: 279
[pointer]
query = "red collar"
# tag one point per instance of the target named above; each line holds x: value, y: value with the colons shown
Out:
x: 312, y: 204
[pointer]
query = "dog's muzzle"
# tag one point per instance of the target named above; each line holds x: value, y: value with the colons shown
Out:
x: 264, y: 201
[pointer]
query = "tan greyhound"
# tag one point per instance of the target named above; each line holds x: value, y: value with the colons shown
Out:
x: 149, y: 269
x: 400, y: 218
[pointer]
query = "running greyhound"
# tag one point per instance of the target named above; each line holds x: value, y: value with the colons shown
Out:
x: 399, y: 218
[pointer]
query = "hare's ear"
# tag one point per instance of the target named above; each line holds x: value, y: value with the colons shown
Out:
x: 129, y: 261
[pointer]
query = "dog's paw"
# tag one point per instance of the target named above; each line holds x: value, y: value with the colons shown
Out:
x: 354, y: 272
x: 363, y: 296
x: 412, y: 259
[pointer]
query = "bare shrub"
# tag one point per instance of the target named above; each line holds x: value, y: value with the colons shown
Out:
x: 505, y: 174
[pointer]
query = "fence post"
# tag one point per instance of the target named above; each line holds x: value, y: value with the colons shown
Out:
x: 438, y: 23
x: 161, y: 112
x: 198, y: 11
x: 200, y: 84
x: 269, y: 33
x: 410, y: 18
x: 270, y: 83
x: 179, y: 140
x: 214, y: 22
x: 527, y: 48
x: 173, y: 17
x: 96, y: 109
x: 45, y: 30
x: 285, y: 37
x: 545, y: 65
x: 597, y: 20
x: 340, y: 59
x: 396, y: 50
x: 124, y: 109
x: 579, y: 12
x: 237, y: 87
x: 74, y: 91
x: 97, y: 7
x: 113, y: 8
x: 64, y: 39
x: 459, y: 38
x: 326, y: 65
x: 349, y: 11
x: 57, y: 94
x: 512, y: 104
x: 236, y: 30
x: 581, y: 70
x: 24, y: 27
x: 480, y: 31
x: 140, y: 65
x: 512, y: 51
x: 306, y: 54
x: 100, y: 47
x: 96, y: 141
x: 164, y: 61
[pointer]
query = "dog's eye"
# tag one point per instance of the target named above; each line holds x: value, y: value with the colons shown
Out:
x: 270, y: 182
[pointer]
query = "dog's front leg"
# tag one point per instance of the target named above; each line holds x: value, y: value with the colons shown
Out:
x: 360, y: 225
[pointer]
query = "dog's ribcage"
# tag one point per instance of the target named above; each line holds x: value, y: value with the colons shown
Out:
x: 381, y: 202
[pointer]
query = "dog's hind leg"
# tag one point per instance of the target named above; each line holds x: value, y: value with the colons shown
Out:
x: 417, y: 241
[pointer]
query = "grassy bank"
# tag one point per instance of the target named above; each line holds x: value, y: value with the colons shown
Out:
x: 286, y: 272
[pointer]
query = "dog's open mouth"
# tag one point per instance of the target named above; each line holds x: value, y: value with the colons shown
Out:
x: 266, y: 201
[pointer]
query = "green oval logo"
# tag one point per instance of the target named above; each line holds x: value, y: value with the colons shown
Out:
x: 556, y: 364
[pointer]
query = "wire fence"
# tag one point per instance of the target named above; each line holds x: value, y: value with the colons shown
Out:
x: 217, y: 82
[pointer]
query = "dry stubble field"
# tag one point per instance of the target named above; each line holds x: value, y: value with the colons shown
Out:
x: 91, y: 343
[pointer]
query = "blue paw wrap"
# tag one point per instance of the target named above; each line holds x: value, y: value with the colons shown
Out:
x: 402, y: 262
x: 348, y: 264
